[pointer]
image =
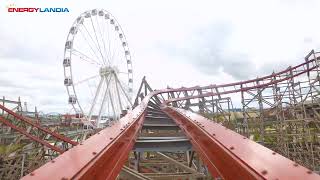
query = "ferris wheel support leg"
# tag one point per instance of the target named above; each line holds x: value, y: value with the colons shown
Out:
x: 112, y: 105
x: 95, y: 97
x: 118, y: 94
x: 103, y: 102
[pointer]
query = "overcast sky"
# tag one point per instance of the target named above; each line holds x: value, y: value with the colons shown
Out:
x: 175, y: 43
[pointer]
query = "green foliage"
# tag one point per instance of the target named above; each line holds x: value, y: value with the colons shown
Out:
x: 5, y: 149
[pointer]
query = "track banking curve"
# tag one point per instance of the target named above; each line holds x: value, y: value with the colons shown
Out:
x: 103, y: 155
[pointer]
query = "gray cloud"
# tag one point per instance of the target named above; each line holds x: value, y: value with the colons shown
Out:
x: 207, y: 51
x: 38, y: 87
x: 35, y: 41
x: 5, y: 83
x: 32, y: 51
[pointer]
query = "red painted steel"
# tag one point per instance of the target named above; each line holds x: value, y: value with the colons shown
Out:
x: 232, y: 155
x: 224, y: 151
x: 99, y: 157
x: 45, y: 143
x: 26, y: 120
x: 265, y: 77
x: 305, y: 66
x: 239, y: 89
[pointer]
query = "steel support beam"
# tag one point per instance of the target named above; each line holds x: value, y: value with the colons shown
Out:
x: 128, y: 173
x: 34, y: 138
x: 232, y: 156
x: 186, y: 168
x: 29, y: 122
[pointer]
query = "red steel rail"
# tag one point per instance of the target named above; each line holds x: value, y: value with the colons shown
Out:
x: 12, y: 116
x: 303, y: 68
x: 233, y: 156
x: 34, y: 138
x: 99, y: 157
x: 265, y: 81
x: 102, y: 155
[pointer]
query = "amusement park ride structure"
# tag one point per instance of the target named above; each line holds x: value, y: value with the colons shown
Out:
x: 173, y: 133
x: 97, y: 43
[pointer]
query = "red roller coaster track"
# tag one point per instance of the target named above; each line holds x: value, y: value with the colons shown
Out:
x: 24, y: 123
x: 226, y: 153
x: 262, y: 82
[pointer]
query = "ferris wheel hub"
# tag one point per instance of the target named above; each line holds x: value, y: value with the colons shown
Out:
x: 107, y: 70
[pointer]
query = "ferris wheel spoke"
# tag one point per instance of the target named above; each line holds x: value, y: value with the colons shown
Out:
x: 114, y: 50
x: 107, y: 49
x: 95, y: 34
x: 126, y: 73
x: 85, y: 80
x: 92, y: 49
x: 112, y: 57
x: 102, y: 38
x: 109, y: 46
x: 94, y: 42
x: 124, y: 92
x: 91, y: 91
x: 84, y: 57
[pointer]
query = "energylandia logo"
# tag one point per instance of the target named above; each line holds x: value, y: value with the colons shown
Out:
x: 13, y: 9
x: 38, y: 10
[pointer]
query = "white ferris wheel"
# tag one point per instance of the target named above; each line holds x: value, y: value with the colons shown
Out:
x: 98, y: 68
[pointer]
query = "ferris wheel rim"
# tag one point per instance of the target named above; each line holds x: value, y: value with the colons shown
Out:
x: 71, y: 90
